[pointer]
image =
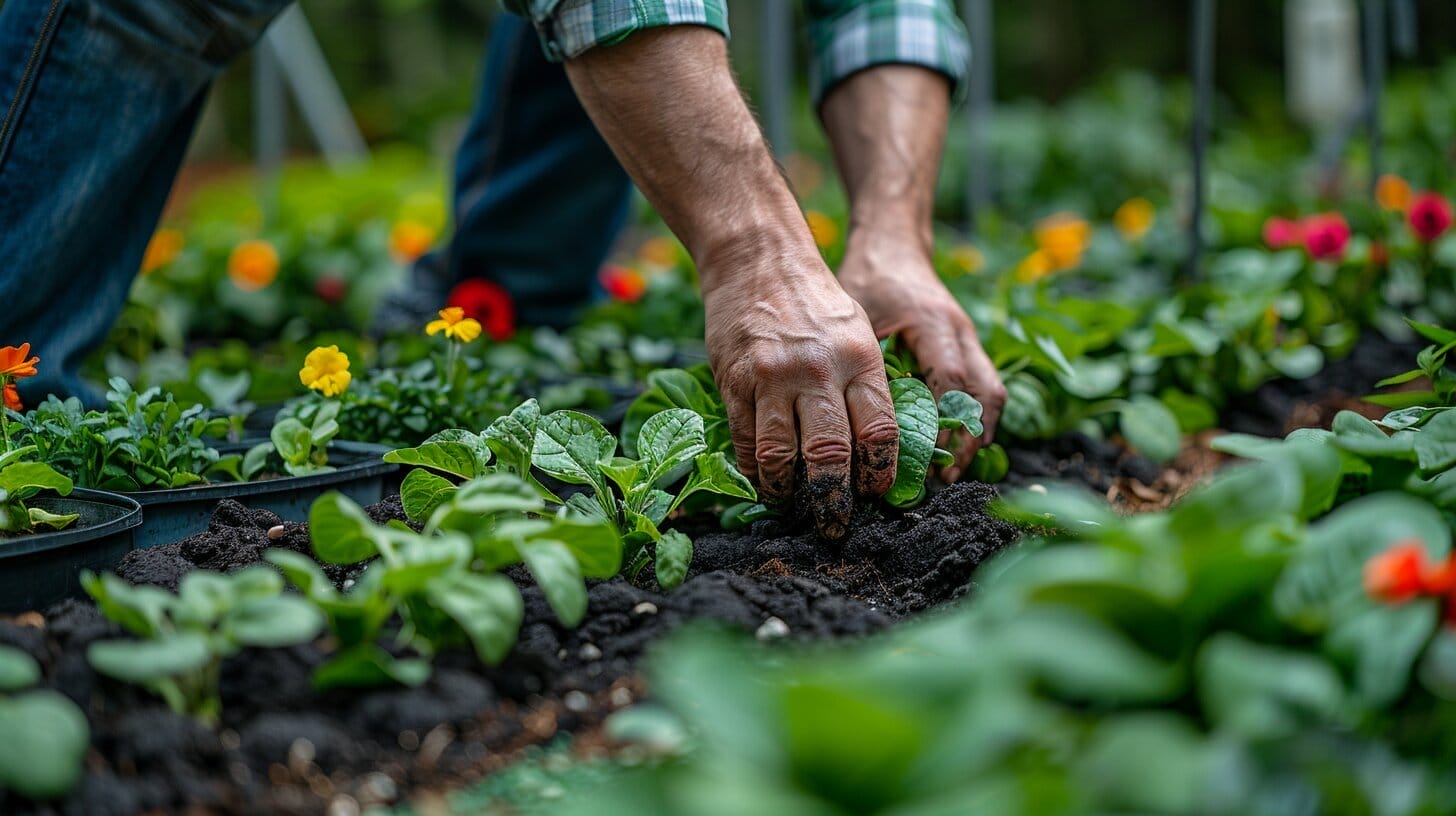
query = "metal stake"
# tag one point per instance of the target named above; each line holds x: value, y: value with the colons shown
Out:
x: 1375, y: 59
x: 1202, y: 48
x: 979, y: 108
x: 777, y: 67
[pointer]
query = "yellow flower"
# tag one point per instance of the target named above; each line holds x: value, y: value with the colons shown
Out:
x: 658, y: 251
x: 825, y: 231
x: 326, y: 370
x: 967, y: 260
x: 1034, y: 267
x: 408, y: 240
x: 1271, y: 317
x: 1134, y: 218
x: 1062, y: 238
x: 253, y: 265
x: 163, y: 249
x: 1393, y: 193
x: 455, y: 325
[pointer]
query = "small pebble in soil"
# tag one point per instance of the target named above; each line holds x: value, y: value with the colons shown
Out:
x: 621, y: 697
x: 409, y: 740
x: 772, y: 629
x: 343, y: 805
x: 590, y: 652
x: 348, y: 583
x: 275, y: 532
x: 576, y: 701
x: 645, y: 608
x: 377, y: 789
x: 36, y: 620
x: 229, y: 739
x: 1037, y: 488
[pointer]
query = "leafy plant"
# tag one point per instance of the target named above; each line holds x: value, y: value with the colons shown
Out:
x: 182, y: 639
x: 46, y: 735
x: 1430, y: 365
x: 632, y: 493
x: 301, y: 441
x: 921, y: 419
x: 21, y: 480
x: 143, y: 441
x: 443, y: 581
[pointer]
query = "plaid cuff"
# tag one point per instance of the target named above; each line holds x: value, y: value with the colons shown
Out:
x: 569, y: 28
x: 850, y: 36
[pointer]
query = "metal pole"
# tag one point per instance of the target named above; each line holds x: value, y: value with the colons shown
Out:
x: 1375, y: 58
x: 290, y: 42
x: 1202, y: 48
x: 979, y: 108
x: 777, y: 68
x: 270, y: 129
x: 1403, y: 20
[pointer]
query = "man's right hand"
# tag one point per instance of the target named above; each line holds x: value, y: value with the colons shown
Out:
x: 803, y: 381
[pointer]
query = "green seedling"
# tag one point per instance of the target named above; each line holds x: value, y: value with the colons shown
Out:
x: 21, y: 480
x: 300, y: 441
x: 46, y: 735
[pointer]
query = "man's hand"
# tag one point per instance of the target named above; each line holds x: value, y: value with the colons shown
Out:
x: 794, y: 355
x: 894, y: 281
x: 887, y: 126
x: 803, y: 379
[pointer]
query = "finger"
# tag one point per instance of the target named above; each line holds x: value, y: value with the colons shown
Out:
x: 776, y: 448
x: 827, y: 445
x: 743, y: 432
x: 876, y: 435
x: 942, y: 357
x: 985, y: 385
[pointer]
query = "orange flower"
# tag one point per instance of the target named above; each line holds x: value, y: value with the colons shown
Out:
x: 11, y: 397
x: 659, y: 251
x: 14, y: 365
x: 1034, y: 267
x: 1062, y: 238
x: 1401, y: 573
x: 1134, y: 218
x: 163, y: 249
x: 408, y: 240
x: 1393, y: 193
x: 253, y: 265
x: 823, y: 228
x: 623, y: 283
x: 967, y: 260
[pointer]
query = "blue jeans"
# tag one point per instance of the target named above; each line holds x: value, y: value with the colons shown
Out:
x: 99, y: 99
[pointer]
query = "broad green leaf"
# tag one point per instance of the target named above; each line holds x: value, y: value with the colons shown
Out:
x: 1151, y: 762
x: 1297, y: 363
x: 17, y: 669
x: 140, y: 610
x: 487, y: 607
x: 960, y: 410
x: 1062, y: 507
x: 919, y: 421
x: 368, y: 666
x: 625, y: 473
x: 1194, y: 413
x: 512, y: 437
x: 1093, y: 378
x: 46, y: 739
x: 15, y: 455
x: 713, y: 473
x: 342, y: 533
x: 55, y: 521
x: 570, y: 446
x: 422, y: 492
x: 1404, y: 399
x: 674, y: 555
x: 596, y: 545
x: 283, y: 620
x: 146, y: 661
x: 554, y: 567
x: 991, y: 464
x: 741, y: 515
x: 1384, y: 642
x: 1435, y: 442
x: 304, y: 573
x: 291, y: 439
x: 1262, y: 692
x: 1151, y: 428
x: 1083, y: 659
x: 24, y: 479
x: 655, y: 505
x: 668, y: 443
x: 457, y: 452
x: 670, y: 388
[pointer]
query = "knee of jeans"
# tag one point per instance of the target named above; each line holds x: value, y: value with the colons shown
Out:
x: 216, y: 30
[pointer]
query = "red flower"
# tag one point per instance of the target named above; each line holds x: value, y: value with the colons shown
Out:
x: 623, y: 283
x: 1430, y: 216
x: 1281, y: 233
x: 487, y: 302
x: 1325, y: 236
x: 1398, y: 574
x: 330, y: 288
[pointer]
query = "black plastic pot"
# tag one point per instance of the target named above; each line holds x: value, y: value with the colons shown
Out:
x: 171, y: 515
x: 42, y: 569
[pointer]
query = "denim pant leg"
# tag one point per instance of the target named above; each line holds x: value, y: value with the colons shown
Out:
x: 100, y: 98
x: 539, y: 197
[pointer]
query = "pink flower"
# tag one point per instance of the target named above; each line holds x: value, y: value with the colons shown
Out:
x: 1430, y: 216
x: 1325, y: 236
x: 1282, y: 233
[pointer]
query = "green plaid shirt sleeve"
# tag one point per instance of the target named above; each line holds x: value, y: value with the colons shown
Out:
x: 569, y: 28
x: 851, y: 35
x: 847, y: 35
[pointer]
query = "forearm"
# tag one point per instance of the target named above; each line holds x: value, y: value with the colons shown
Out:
x: 887, y: 128
x: 666, y: 102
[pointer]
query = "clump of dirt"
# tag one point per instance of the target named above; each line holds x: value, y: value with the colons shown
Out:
x: 284, y: 748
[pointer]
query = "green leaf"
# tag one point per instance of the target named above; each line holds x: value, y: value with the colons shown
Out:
x: 342, y: 533
x: 668, y: 442
x: 554, y: 567
x: 1264, y: 692
x: 46, y: 739
x: 146, y: 661
x: 24, y: 479
x: 304, y: 573
x: 960, y: 410
x: 55, y: 521
x: 1151, y: 428
x: 919, y: 421
x: 624, y: 472
x: 991, y: 464
x: 512, y: 437
x: 1152, y: 762
x: 422, y: 492
x: 596, y: 545
x: 17, y: 669
x: 292, y: 440
x: 674, y: 555
x: 459, y: 453
x: 670, y: 388
x: 1384, y: 642
x: 1435, y: 334
x: 714, y: 473
x: 570, y: 446
x: 367, y: 666
x: 1435, y: 443
x: 282, y: 620
x: 487, y: 607
x: 140, y: 610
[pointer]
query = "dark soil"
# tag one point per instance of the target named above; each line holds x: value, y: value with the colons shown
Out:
x: 1077, y: 458
x: 283, y: 748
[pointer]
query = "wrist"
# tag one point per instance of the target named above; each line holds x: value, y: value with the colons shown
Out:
x: 890, y: 227
x: 758, y: 253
